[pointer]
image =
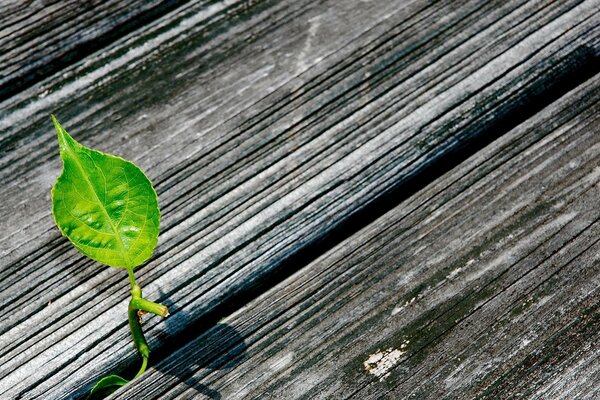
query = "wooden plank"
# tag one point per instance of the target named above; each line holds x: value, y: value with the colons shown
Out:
x: 264, y: 126
x: 39, y: 38
x: 485, y: 284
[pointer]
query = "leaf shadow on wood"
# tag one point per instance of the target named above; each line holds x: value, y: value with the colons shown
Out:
x: 221, y: 349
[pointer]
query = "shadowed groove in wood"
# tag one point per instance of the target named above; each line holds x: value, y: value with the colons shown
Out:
x: 561, y: 78
x: 564, y: 76
x: 355, y: 109
x: 544, y: 268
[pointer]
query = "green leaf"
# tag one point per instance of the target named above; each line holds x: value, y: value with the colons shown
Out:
x: 106, y: 386
x: 105, y: 205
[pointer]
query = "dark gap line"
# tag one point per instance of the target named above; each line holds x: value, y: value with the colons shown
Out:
x: 349, y: 257
x: 322, y: 129
x: 342, y: 238
x: 568, y: 73
x: 258, y: 328
x: 217, y: 355
x: 549, y: 74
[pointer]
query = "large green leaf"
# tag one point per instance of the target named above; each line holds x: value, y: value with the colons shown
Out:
x: 105, y: 205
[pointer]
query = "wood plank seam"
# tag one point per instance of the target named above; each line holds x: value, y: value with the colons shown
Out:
x: 589, y: 64
x: 265, y: 228
x: 592, y: 161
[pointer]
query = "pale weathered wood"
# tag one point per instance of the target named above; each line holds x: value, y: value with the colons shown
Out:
x: 40, y: 37
x: 486, y: 284
x: 264, y: 125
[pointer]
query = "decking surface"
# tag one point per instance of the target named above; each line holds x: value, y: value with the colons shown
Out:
x: 359, y: 199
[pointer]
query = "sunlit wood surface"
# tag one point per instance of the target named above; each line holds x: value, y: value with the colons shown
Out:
x: 366, y: 199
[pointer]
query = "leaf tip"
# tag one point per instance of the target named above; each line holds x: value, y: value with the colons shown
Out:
x: 65, y: 140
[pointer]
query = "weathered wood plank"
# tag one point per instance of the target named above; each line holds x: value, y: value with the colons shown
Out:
x: 39, y: 38
x: 264, y: 126
x: 485, y: 284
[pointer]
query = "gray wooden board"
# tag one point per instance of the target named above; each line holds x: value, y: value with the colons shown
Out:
x: 37, y: 38
x: 485, y: 284
x: 263, y: 125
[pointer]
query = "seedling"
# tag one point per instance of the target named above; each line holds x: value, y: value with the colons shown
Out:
x: 108, y: 209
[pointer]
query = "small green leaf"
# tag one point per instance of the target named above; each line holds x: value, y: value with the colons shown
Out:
x: 105, y: 205
x: 106, y: 386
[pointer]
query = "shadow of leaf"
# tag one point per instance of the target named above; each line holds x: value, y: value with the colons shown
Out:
x: 220, y: 348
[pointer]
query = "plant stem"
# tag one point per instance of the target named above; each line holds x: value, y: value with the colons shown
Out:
x: 142, y: 368
x: 150, y: 306
x: 132, y: 281
x: 137, y: 303
x: 136, y: 331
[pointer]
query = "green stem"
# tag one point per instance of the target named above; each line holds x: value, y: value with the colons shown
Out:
x: 132, y: 281
x: 137, y: 303
x: 142, y: 368
x: 140, y: 303
x: 136, y: 330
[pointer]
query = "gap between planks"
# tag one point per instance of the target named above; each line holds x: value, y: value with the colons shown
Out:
x: 483, y: 281
x: 400, y: 85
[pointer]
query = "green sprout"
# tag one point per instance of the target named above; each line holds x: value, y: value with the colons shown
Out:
x: 108, y: 209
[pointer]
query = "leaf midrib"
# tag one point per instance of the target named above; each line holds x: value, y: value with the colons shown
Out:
x: 112, y: 226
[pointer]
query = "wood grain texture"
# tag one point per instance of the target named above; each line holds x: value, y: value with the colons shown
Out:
x: 485, y: 284
x: 39, y: 38
x: 263, y: 125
